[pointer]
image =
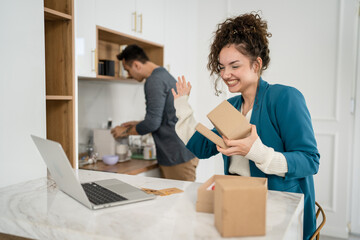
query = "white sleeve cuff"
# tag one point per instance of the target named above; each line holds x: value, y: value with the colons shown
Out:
x: 185, y: 126
x: 267, y: 160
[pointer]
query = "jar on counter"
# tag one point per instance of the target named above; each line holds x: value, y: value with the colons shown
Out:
x: 149, y: 152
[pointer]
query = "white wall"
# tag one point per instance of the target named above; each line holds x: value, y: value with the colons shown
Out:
x: 216, y: 12
x: 355, y: 190
x: 100, y: 100
x: 187, y: 41
x: 22, y: 90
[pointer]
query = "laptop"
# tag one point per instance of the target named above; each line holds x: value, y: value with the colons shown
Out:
x: 94, y: 195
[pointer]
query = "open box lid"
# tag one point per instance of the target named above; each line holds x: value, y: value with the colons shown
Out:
x: 228, y: 121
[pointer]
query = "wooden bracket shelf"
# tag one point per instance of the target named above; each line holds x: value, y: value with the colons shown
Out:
x: 104, y: 77
x: 110, y: 79
x: 53, y: 15
x: 57, y: 97
x: 109, y: 45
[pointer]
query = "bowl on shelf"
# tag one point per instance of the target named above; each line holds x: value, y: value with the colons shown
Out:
x: 110, y: 159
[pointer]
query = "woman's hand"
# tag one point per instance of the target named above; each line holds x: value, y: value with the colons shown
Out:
x: 182, y: 88
x: 240, y: 146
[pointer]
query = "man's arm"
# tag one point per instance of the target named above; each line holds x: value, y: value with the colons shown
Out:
x: 120, y: 132
x: 132, y: 130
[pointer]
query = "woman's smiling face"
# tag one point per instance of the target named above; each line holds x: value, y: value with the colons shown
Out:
x: 236, y: 70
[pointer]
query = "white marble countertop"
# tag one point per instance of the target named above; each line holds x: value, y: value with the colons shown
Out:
x: 37, y: 209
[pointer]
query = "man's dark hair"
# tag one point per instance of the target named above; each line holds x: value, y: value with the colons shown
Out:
x: 131, y: 53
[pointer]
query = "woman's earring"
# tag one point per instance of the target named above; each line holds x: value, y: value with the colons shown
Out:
x: 218, y: 92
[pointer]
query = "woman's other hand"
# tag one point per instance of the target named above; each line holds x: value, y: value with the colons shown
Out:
x: 240, y: 146
x: 182, y: 88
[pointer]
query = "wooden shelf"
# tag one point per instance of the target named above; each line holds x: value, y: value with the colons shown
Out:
x: 108, y: 35
x: 109, y: 45
x: 104, y: 77
x: 56, y: 97
x: 53, y: 15
x: 61, y: 6
x: 110, y: 79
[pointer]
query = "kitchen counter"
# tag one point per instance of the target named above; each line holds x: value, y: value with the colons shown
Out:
x: 132, y: 167
x: 37, y: 209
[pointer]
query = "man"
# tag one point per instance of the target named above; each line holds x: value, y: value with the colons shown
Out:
x: 175, y: 160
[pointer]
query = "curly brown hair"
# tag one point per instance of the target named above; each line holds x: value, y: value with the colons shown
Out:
x: 248, y: 32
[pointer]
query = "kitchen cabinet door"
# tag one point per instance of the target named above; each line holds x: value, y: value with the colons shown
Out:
x: 118, y: 15
x: 85, y: 38
x: 140, y: 18
x: 150, y: 20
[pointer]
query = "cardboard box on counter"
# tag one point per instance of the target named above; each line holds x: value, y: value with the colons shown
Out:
x: 240, y: 206
x: 205, y: 196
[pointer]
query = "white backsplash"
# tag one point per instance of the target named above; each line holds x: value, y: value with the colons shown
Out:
x: 100, y: 100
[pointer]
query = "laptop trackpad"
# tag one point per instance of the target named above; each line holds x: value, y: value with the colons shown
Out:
x: 118, y: 187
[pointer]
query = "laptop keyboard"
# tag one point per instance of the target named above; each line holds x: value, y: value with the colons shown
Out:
x: 100, y: 195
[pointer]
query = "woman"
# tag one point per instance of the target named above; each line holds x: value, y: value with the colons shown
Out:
x: 281, y: 146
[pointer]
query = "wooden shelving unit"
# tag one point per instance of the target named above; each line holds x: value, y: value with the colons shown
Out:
x: 60, y: 77
x: 109, y: 44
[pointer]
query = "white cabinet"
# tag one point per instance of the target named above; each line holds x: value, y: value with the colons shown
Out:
x: 115, y: 14
x: 150, y: 20
x: 85, y: 38
x: 142, y: 19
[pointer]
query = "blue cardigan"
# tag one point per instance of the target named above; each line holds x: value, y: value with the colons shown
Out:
x: 283, y: 122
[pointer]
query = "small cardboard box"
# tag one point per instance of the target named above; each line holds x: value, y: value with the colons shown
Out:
x: 228, y: 121
x: 205, y: 197
x: 240, y: 206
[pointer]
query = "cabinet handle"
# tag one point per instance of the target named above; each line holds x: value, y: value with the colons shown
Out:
x: 141, y: 25
x: 134, y: 26
x: 93, y: 60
